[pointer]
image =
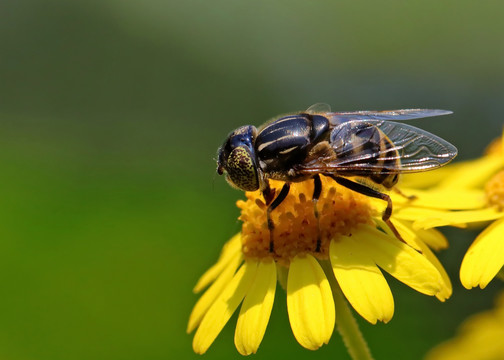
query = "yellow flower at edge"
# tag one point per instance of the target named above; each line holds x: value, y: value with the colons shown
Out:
x: 470, y: 193
x: 355, y: 247
x: 479, y: 337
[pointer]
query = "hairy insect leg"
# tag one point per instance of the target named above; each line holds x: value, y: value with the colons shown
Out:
x: 317, y: 190
x: 364, y: 190
x: 272, y: 205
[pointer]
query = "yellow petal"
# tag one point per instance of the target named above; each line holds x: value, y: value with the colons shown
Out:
x: 433, y: 238
x: 416, y: 213
x: 361, y: 280
x: 400, y: 260
x: 484, y: 258
x: 429, y: 218
x: 208, y: 298
x: 474, y: 173
x: 413, y: 239
x: 482, y: 341
x: 428, y: 178
x: 458, y: 218
x: 256, y: 309
x: 223, y: 307
x: 229, y: 251
x: 450, y: 199
x: 309, y: 303
x: 405, y: 231
x: 447, y: 288
x: 479, y: 337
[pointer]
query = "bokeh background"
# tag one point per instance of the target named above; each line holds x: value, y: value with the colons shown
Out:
x: 110, y: 116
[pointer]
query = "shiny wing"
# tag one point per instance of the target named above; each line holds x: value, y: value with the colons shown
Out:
x: 404, y: 114
x: 368, y: 147
x: 318, y: 108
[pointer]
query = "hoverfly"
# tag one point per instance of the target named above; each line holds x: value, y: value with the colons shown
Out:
x: 301, y: 146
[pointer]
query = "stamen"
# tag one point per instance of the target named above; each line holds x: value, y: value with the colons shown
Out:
x: 340, y: 211
x: 260, y: 203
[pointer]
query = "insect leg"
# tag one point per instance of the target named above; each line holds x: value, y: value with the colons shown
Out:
x: 365, y: 190
x: 317, y: 189
x: 408, y: 197
x: 272, y: 206
x: 268, y: 194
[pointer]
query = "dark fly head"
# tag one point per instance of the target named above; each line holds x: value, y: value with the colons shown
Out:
x: 237, y: 159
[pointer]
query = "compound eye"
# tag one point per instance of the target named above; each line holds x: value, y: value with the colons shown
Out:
x: 241, y: 169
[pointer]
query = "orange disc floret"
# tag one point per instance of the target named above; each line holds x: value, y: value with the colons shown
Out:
x: 494, y: 190
x: 296, y: 231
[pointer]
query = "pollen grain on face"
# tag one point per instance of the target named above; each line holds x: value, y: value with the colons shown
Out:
x: 296, y: 230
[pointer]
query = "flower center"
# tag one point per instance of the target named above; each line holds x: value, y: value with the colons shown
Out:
x: 295, y: 226
x: 494, y: 189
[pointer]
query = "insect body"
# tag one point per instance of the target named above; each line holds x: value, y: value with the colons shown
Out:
x: 301, y: 146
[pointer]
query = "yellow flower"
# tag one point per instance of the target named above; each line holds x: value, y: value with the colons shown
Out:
x: 355, y: 247
x: 485, y: 257
x: 470, y: 193
x: 469, y: 174
x: 480, y: 337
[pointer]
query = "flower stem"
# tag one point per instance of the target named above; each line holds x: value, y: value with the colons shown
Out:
x: 345, y: 322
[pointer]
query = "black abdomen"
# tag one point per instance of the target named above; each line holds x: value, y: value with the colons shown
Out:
x: 365, y: 148
x: 382, y: 154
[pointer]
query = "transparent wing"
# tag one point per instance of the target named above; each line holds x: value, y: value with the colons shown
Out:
x: 372, y: 146
x: 404, y: 114
x: 318, y: 108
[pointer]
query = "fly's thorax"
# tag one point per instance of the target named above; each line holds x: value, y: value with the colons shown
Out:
x: 286, y: 141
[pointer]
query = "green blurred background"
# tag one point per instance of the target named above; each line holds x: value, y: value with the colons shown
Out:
x: 110, y: 116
